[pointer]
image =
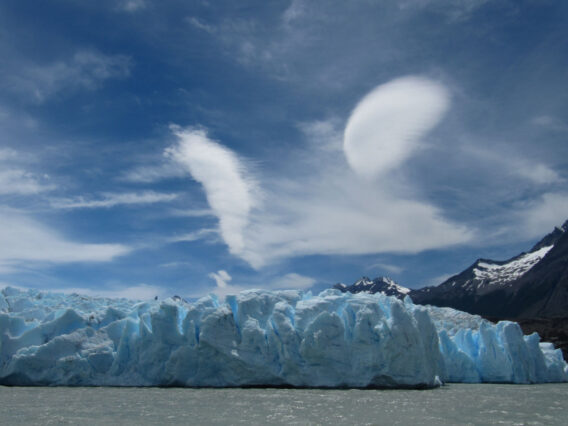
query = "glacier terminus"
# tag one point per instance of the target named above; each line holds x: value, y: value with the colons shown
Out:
x: 261, y: 338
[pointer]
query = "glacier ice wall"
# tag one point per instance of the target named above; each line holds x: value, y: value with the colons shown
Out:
x: 260, y: 338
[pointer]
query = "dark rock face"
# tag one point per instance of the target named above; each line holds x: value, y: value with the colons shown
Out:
x: 543, y: 291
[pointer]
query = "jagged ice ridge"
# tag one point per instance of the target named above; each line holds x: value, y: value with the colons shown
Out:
x: 261, y: 338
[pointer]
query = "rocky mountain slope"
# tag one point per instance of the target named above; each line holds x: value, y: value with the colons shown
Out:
x: 531, y: 288
x: 530, y: 285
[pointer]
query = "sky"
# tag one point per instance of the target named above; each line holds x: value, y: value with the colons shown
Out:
x: 152, y: 148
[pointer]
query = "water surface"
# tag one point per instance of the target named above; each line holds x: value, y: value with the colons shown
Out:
x: 452, y: 404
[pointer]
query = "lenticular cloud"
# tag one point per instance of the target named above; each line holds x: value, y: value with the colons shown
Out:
x: 386, y: 125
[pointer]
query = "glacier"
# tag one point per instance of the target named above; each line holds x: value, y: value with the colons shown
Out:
x: 261, y: 338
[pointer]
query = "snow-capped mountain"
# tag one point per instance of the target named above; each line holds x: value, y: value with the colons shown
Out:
x: 383, y: 285
x: 520, y: 287
x: 531, y: 288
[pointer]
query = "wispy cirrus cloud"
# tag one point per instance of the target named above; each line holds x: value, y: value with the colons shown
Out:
x: 154, y: 173
x: 550, y: 122
x: 19, y: 181
x: 85, y: 70
x: 109, y: 200
x: 15, y: 179
x: 201, y: 234
x: 455, y: 11
x: 201, y: 25
x: 26, y: 241
x: 132, y: 5
x: 192, y: 212
x: 514, y: 165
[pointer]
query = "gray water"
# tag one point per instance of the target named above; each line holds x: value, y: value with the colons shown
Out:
x: 449, y: 405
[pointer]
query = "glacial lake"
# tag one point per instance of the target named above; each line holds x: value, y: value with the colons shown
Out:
x: 453, y: 404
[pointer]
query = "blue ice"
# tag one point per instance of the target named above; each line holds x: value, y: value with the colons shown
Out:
x: 261, y: 338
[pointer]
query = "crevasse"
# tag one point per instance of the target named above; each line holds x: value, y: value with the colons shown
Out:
x: 261, y: 338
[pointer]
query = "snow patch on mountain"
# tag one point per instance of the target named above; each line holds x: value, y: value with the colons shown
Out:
x: 383, y: 285
x: 502, y: 274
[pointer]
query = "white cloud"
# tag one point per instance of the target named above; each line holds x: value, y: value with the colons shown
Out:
x: 228, y: 189
x: 222, y: 287
x: 84, y: 70
x: 194, y: 236
x: 513, y: 165
x: 150, y: 174
x: 176, y: 265
x: 455, y: 11
x: 385, y: 127
x: 8, y: 154
x: 132, y: 5
x: 550, y: 122
x: 192, y: 212
x: 200, y: 25
x: 293, y: 281
x: 221, y: 278
x: 538, y: 173
x: 540, y: 216
x: 323, y: 134
x: 318, y: 204
x: 114, y: 199
x: 14, y: 179
x: 286, y: 282
x: 336, y: 216
x: 296, y: 10
x: 393, y: 269
x: 25, y: 240
x: 18, y: 181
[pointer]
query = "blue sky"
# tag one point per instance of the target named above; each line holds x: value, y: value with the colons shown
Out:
x: 158, y: 148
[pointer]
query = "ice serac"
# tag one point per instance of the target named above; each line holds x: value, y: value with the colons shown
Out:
x: 476, y: 350
x: 260, y: 338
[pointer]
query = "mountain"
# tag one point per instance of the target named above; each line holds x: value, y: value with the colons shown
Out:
x: 378, y: 285
x: 530, y: 285
x: 531, y: 288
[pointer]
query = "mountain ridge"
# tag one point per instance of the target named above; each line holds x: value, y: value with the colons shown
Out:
x: 530, y: 288
x: 511, y: 289
x: 382, y: 284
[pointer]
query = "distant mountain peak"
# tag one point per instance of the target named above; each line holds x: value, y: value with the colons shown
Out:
x: 552, y: 238
x: 382, y: 284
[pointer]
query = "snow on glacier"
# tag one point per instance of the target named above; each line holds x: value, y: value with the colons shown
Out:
x: 260, y: 338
